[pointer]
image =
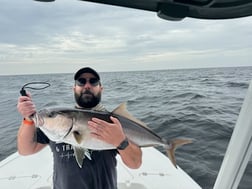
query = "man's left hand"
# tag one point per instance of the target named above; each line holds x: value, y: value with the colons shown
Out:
x: 111, y: 133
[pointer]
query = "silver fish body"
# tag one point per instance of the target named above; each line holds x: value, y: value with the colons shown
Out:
x: 71, y: 126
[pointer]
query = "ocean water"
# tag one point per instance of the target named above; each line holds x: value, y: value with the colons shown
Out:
x: 202, y: 104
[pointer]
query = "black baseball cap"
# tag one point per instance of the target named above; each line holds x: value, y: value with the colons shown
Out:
x: 86, y: 70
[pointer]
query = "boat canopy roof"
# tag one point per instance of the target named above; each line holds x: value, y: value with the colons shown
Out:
x: 178, y: 9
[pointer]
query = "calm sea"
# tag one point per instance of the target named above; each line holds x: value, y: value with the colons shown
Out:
x: 198, y: 103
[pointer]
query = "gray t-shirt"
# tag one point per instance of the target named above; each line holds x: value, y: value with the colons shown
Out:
x: 97, y: 173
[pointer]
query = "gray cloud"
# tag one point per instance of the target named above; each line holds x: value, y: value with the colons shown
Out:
x: 42, y: 34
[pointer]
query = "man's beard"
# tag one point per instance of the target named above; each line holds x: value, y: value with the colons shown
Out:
x: 87, y: 99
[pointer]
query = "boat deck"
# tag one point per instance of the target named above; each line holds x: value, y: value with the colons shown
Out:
x: 35, y: 172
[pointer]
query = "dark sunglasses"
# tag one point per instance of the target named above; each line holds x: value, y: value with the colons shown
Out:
x: 83, y: 81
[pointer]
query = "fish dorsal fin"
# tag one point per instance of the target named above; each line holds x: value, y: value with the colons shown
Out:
x: 122, y: 111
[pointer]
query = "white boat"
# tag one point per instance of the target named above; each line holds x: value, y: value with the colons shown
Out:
x: 35, y: 172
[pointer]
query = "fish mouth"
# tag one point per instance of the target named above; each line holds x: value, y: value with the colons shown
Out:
x: 70, y: 129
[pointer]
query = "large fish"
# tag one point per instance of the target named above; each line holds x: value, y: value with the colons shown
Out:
x: 70, y: 126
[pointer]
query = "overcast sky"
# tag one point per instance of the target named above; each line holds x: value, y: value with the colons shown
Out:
x: 65, y: 35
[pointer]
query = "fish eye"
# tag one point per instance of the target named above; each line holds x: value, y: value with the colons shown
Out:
x: 52, y: 114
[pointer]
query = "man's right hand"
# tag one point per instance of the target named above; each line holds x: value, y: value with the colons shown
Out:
x: 26, y: 142
x: 25, y: 106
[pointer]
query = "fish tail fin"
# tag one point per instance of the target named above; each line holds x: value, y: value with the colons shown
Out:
x: 173, y: 146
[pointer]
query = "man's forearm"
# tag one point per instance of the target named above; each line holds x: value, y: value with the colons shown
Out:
x: 131, y: 156
x: 26, y: 140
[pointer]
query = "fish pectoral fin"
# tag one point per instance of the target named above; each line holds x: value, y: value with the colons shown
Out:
x: 121, y: 110
x: 79, y: 154
x: 173, y: 146
x: 77, y: 137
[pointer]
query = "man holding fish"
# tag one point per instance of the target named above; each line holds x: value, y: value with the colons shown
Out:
x: 74, y: 166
